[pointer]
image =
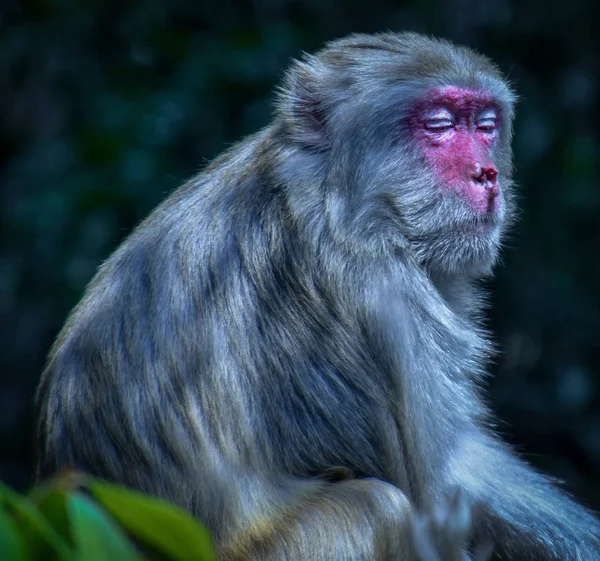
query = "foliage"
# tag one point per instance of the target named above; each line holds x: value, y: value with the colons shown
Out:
x: 78, y: 518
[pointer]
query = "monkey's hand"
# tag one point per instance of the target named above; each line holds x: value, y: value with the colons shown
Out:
x: 443, y: 534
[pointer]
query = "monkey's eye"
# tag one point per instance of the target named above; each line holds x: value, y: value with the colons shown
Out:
x: 439, y: 120
x: 487, y: 121
x: 439, y: 124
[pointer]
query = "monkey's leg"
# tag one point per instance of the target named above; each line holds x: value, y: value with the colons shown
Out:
x: 351, y: 520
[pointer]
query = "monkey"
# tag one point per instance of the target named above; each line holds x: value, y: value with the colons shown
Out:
x: 292, y: 346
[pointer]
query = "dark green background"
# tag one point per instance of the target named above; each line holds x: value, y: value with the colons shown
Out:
x: 107, y: 106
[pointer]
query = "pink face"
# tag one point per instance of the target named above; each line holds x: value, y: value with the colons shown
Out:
x: 456, y: 129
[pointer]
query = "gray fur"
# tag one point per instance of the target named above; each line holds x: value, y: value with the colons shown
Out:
x: 307, y: 303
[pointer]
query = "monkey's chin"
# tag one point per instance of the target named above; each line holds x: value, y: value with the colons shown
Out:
x: 479, y: 250
x: 483, y: 224
x: 469, y: 249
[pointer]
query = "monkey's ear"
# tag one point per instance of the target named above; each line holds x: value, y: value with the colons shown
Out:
x: 301, y: 104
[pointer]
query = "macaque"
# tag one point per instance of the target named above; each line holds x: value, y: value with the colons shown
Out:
x: 291, y: 345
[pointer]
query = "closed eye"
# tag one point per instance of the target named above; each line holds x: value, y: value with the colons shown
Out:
x: 486, y: 125
x: 487, y: 121
x: 439, y: 119
x: 439, y: 124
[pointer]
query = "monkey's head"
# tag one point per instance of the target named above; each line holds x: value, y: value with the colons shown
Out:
x: 409, y: 139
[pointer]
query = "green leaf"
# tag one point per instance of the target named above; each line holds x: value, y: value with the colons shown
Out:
x: 37, y: 532
x: 52, y: 503
x: 96, y: 536
x: 11, y: 542
x: 164, y: 527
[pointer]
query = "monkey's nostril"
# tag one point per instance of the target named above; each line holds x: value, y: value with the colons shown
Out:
x: 480, y: 176
x: 491, y: 174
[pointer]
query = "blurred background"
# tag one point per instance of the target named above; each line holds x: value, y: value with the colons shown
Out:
x: 107, y: 106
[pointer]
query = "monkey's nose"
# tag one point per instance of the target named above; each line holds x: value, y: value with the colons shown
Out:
x: 485, y: 175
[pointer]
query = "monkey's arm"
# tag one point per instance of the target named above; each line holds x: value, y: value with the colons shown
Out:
x: 528, y: 517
